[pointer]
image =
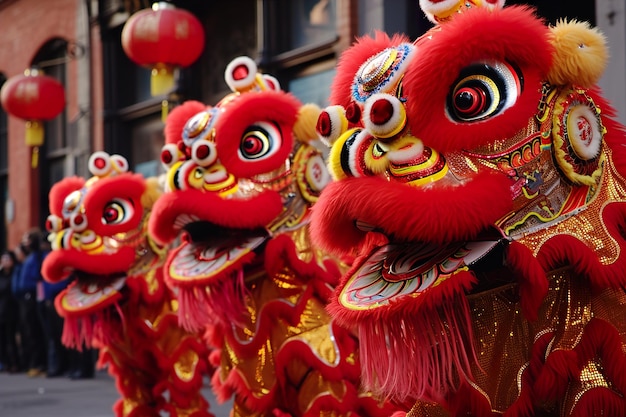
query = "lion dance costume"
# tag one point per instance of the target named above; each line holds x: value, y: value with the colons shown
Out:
x: 242, y: 176
x: 480, y: 178
x: 118, y: 301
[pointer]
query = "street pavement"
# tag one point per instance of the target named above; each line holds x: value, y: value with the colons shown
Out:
x: 21, y: 396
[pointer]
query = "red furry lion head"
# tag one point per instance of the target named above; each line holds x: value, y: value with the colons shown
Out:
x: 239, y: 172
x: 479, y: 156
x: 97, y: 233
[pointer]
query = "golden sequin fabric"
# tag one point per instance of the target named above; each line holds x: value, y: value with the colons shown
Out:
x: 289, y: 353
x: 588, y: 225
x: 150, y: 348
x: 505, y: 340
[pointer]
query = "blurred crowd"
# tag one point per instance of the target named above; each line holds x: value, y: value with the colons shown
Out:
x: 30, y: 327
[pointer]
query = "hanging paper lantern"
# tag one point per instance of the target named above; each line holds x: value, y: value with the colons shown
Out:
x: 163, y: 38
x: 36, y: 98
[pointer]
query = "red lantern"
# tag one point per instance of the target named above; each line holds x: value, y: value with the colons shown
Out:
x: 34, y: 97
x: 163, y: 38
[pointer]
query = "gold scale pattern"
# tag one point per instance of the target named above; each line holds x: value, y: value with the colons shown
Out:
x: 504, y: 339
x: 313, y: 328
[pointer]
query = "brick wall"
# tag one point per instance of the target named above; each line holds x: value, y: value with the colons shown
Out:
x: 26, y: 26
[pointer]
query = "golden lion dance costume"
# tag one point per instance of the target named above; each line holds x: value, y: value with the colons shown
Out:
x: 480, y: 179
x: 118, y: 301
x: 242, y: 176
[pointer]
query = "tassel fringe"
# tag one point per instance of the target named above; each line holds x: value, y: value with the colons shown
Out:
x: 418, y: 357
x: 220, y: 302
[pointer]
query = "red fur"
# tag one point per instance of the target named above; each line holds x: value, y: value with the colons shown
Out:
x: 452, y: 48
x: 178, y: 118
x: 420, y: 347
x: 232, y: 213
x: 352, y: 59
x: 274, y: 107
x: 524, y: 405
x: 436, y: 214
x: 600, y: 340
x: 468, y: 401
x: 533, y: 283
x: 57, y: 265
x: 600, y: 402
x: 62, y: 189
x: 136, y: 328
x: 126, y: 186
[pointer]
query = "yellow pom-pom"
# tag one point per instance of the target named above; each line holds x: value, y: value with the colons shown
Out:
x: 581, y: 54
x: 304, y: 129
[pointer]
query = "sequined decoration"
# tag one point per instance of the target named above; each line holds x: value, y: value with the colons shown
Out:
x: 504, y: 338
x: 588, y: 225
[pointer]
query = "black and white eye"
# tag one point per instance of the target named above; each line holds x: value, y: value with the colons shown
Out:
x: 484, y: 90
x: 117, y: 211
x: 259, y: 141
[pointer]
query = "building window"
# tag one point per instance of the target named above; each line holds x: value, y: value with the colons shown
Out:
x: 54, y: 154
x: 306, y: 85
x: 312, y: 23
x: 556, y: 10
x: 299, y: 39
x: 136, y: 123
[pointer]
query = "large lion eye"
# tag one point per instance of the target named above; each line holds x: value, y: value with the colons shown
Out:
x: 116, y: 212
x: 484, y: 90
x: 260, y: 140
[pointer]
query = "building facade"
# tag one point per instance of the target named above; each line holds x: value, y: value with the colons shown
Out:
x: 109, y: 106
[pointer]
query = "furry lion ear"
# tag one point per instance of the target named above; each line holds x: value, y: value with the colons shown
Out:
x: 304, y: 129
x: 154, y: 189
x: 581, y: 54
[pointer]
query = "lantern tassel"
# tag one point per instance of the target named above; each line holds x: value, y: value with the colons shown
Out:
x: 34, y: 139
x: 34, y: 157
x: 161, y: 80
x: 34, y: 133
x: 165, y: 109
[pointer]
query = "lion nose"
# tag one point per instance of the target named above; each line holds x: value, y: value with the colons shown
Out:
x: 384, y: 116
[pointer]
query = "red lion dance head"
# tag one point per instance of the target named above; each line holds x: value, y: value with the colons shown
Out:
x: 242, y: 177
x: 480, y: 185
x: 118, y: 301
x: 242, y: 172
x: 98, y: 235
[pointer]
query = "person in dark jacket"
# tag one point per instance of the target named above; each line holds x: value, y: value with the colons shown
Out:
x: 58, y: 355
x: 9, y: 357
x: 28, y: 284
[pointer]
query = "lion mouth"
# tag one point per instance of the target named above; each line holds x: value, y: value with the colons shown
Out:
x: 92, y: 293
x: 397, y: 270
x: 207, y: 251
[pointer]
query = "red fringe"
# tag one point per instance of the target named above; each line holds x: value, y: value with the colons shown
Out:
x: 93, y: 330
x: 533, y: 282
x: 416, y: 356
x: 220, y: 302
